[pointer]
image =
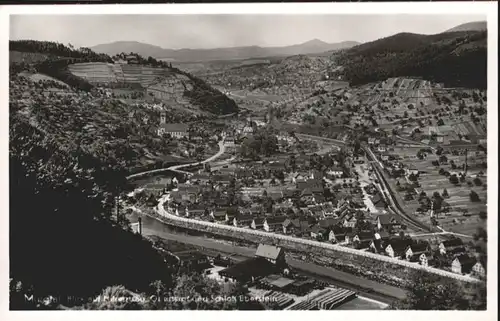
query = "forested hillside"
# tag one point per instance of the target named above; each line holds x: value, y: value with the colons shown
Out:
x: 62, y: 239
x: 457, y: 59
x: 59, y: 57
x: 69, y: 153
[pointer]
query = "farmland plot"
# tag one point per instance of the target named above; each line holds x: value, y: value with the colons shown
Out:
x: 463, y: 216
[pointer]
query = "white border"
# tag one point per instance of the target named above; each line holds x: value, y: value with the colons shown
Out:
x: 489, y: 9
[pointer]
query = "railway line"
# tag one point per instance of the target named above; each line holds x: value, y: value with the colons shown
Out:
x: 389, y: 195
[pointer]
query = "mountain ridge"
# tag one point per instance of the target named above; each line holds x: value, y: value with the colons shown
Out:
x: 470, y: 26
x: 242, y: 52
x: 456, y: 58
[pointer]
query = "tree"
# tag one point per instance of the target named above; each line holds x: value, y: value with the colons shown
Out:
x: 443, y: 159
x: 474, y: 197
x: 445, y: 193
x: 108, y: 300
x: 454, y: 179
x: 432, y: 292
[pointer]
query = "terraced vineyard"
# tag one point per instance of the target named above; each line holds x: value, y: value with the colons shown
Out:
x: 98, y: 73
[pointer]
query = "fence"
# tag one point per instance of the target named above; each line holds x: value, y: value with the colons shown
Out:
x: 327, y: 246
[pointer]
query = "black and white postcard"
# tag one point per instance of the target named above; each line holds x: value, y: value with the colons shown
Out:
x: 337, y: 157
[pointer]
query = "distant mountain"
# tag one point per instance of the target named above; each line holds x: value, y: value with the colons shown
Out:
x: 184, y: 55
x: 470, y: 26
x: 142, y: 49
x: 454, y: 58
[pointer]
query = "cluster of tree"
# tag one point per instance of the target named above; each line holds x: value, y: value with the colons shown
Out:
x: 432, y: 292
x: 457, y: 59
x: 192, y: 291
x: 58, y: 69
x: 64, y: 241
x: 261, y: 143
x: 209, y: 98
x: 56, y: 49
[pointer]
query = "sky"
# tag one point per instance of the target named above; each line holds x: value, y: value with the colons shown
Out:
x: 216, y: 31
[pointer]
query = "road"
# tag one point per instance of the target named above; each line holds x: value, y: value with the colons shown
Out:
x: 381, y: 292
x: 176, y: 168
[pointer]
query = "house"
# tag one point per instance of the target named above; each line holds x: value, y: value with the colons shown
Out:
x: 479, y: 269
x: 288, y: 226
x: 315, y: 174
x: 377, y: 245
x: 257, y: 223
x: 318, y: 199
x: 295, y: 226
x: 337, y: 235
x: 181, y: 211
x: 378, y: 201
x: 131, y: 59
x: 362, y: 244
x: 289, y: 193
x: 219, y: 214
x: 416, y: 250
x: 422, y: 259
x: 273, y: 254
x: 350, y: 221
x: 196, y: 210
x: 193, y: 260
x: 243, y: 220
x: 200, y: 178
x: 371, y: 141
x: 224, y: 179
x: 303, y: 228
x: 396, y: 247
x: 174, y: 130
x: 463, y: 264
x: 388, y: 222
x: 450, y: 245
x: 317, y: 231
x: 273, y: 223
x: 229, y: 141
x: 381, y: 235
x: 330, y: 223
x: 335, y: 172
x: 230, y: 216
x: 363, y: 237
x: 412, y: 170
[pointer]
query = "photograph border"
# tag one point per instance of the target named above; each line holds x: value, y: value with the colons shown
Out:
x: 489, y: 9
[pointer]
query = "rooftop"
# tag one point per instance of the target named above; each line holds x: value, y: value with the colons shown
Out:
x: 268, y: 251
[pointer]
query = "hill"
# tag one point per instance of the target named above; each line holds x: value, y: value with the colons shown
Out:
x: 454, y: 58
x: 470, y: 26
x: 193, y: 55
x: 86, y: 69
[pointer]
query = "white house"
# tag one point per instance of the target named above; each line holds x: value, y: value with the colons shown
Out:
x: 463, y: 264
x: 479, y: 270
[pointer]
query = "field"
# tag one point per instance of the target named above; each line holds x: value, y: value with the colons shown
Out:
x: 463, y: 216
